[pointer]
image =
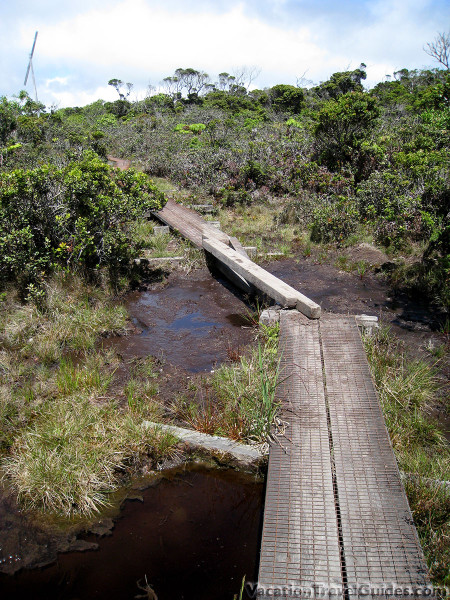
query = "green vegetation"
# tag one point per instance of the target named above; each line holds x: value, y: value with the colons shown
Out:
x: 339, y: 162
x: 238, y: 401
x: 287, y: 168
x: 70, y: 458
x: 74, y: 217
x: 407, y: 389
x: 67, y: 437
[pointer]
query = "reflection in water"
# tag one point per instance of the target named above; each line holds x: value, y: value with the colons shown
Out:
x: 189, y: 324
x: 193, y: 322
x: 194, y: 537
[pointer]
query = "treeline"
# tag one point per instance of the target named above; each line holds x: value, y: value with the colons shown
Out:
x: 346, y: 162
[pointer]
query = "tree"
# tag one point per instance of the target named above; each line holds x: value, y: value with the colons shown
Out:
x: 342, y: 83
x: 244, y: 76
x: 173, y: 86
x: 286, y: 98
x: 225, y: 82
x: 439, y: 49
x: 192, y: 80
x: 8, y: 118
x: 118, y: 84
x: 342, y: 125
x: 188, y: 81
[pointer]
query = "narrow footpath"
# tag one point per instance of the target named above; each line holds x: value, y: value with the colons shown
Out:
x: 336, y: 519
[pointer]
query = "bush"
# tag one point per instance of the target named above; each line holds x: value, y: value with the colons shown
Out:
x: 74, y: 216
x: 342, y: 125
x: 393, y: 202
x: 334, y: 221
x: 286, y: 98
x: 230, y: 197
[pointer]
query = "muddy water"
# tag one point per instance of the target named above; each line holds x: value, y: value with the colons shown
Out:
x: 194, y: 536
x: 191, y: 323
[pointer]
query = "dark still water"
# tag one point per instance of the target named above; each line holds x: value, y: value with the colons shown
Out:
x: 190, y: 323
x: 194, y: 537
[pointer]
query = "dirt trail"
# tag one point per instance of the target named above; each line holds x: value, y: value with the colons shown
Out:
x: 119, y: 163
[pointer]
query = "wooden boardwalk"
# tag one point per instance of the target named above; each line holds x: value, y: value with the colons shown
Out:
x: 232, y: 260
x: 189, y: 224
x: 336, y: 518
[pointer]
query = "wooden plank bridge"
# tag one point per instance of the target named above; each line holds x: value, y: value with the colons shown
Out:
x: 336, y: 519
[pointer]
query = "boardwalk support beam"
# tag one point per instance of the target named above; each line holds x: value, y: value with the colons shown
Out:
x: 270, y: 285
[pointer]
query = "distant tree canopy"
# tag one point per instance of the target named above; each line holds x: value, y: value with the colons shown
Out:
x: 286, y: 98
x: 8, y: 119
x: 342, y: 83
x: 120, y: 87
x: 186, y: 81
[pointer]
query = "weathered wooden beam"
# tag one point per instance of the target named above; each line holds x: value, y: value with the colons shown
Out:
x: 236, y: 245
x: 270, y: 285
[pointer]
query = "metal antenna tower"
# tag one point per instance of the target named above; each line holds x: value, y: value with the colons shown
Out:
x: 30, y: 68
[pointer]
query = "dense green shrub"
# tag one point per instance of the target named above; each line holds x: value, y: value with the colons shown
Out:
x: 230, y: 197
x: 286, y: 98
x: 342, y: 83
x: 334, y: 221
x: 74, y: 216
x: 8, y: 119
x: 196, y: 128
x: 342, y: 125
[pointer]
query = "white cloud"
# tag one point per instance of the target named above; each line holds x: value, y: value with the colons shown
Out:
x: 78, y: 97
x: 57, y: 80
x: 134, y: 38
x: 143, y: 41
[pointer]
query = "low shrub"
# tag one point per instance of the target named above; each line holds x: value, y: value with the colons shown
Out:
x: 334, y: 221
x: 75, y: 216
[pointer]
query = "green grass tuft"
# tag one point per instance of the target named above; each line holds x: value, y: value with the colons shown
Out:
x: 407, y: 388
x: 239, y: 400
x: 71, y: 457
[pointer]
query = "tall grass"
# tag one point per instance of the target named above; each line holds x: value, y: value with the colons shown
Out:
x: 89, y: 376
x: 239, y: 400
x: 71, y: 457
x: 257, y: 225
x: 407, y: 389
x: 67, y: 438
x: 71, y: 317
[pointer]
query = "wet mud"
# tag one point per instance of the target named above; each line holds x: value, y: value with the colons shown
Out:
x: 190, y: 322
x: 30, y: 541
x: 347, y: 293
x: 194, y: 536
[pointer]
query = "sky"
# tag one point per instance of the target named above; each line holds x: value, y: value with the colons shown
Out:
x: 82, y: 44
